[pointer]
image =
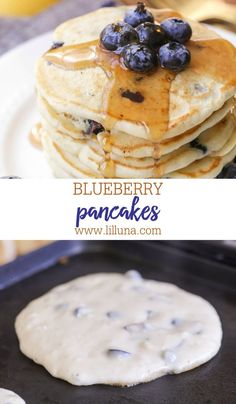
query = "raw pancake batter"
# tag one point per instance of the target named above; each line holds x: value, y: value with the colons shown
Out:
x: 118, y: 329
x: 8, y: 397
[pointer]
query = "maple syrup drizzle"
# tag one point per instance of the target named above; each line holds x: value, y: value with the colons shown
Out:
x: 107, y: 143
x: 35, y: 136
x: 109, y: 169
x: 154, y: 86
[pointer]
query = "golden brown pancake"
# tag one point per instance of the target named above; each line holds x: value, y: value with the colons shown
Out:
x: 80, y: 83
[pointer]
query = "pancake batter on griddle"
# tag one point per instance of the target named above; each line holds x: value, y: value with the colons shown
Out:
x: 118, y: 329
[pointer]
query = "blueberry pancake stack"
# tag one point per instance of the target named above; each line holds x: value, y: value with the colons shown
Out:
x: 136, y: 93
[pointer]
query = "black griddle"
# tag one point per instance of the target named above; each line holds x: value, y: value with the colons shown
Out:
x: 212, y: 383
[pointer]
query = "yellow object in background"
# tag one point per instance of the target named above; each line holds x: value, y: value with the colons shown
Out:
x: 11, y: 8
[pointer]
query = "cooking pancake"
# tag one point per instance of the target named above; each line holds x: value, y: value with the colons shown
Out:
x: 183, y: 102
x: 118, y: 329
x: 90, y: 155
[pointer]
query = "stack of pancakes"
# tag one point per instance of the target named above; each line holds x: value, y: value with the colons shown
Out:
x: 102, y: 121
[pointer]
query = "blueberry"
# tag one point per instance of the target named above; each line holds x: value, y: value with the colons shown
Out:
x: 93, y: 127
x: 116, y: 353
x: 115, y: 36
x: 174, y: 56
x: 139, y: 15
x: 113, y: 315
x: 81, y: 311
x: 135, y: 327
x: 176, y: 322
x: 139, y: 58
x: 132, y: 96
x: 134, y: 275
x: 151, y: 35
x: 197, y: 145
x: 150, y: 314
x: 177, y: 30
x: 57, y: 45
x: 169, y: 356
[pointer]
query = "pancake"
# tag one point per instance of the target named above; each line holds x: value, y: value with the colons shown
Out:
x: 63, y: 164
x: 125, y: 145
x: 208, y: 167
x: 90, y: 129
x: 118, y: 329
x: 210, y: 142
x: 88, y: 157
x: 193, y: 96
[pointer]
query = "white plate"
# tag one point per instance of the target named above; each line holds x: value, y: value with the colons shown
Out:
x: 18, y: 110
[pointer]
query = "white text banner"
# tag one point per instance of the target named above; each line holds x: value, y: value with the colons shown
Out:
x: 118, y: 209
